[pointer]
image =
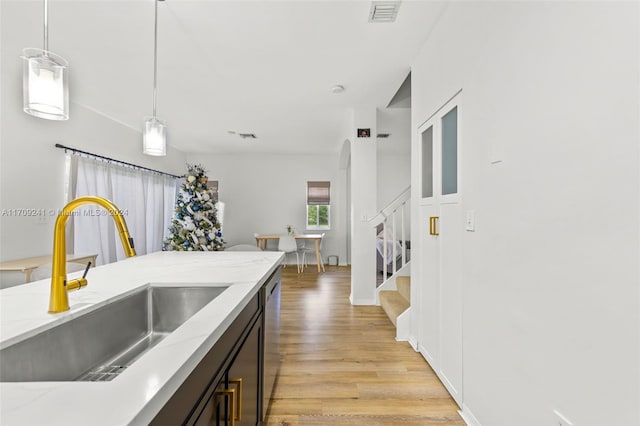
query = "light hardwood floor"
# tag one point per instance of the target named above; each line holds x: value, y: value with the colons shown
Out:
x: 342, y: 366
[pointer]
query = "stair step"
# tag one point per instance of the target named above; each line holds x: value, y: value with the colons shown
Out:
x: 393, y: 304
x: 404, y: 287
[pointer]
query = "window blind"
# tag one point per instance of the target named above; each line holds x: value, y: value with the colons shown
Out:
x: 318, y: 193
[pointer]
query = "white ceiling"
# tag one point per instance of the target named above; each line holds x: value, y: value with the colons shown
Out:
x: 263, y: 67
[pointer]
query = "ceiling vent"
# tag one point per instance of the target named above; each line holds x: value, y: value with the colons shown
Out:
x: 383, y: 135
x: 384, y: 11
x: 247, y: 135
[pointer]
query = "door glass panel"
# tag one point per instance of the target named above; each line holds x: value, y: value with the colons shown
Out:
x: 427, y: 163
x: 450, y: 152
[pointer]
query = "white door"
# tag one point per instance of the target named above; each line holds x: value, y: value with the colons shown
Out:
x: 428, y: 338
x: 440, y: 331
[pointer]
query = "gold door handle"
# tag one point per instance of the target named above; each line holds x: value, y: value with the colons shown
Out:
x: 433, y: 225
x: 238, y: 383
x: 231, y: 394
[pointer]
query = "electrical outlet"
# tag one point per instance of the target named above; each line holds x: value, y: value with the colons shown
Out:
x: 561, y: 420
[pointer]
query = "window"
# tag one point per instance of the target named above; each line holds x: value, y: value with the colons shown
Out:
x: 213, y: 186
x: 318, y: 217
x: 147, y: 200
x: 318, y: 205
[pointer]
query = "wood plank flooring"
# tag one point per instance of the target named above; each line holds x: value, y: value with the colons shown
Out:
x: 342, y: 366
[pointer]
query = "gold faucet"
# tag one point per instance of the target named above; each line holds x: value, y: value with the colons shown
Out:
x: 59, y: 301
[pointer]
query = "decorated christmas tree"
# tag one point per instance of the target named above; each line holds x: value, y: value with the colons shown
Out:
x: 195, y: 225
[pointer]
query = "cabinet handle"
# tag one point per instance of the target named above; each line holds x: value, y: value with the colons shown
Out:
x: 231, y: 394
x: 238, y: 383
x: 433, y: 225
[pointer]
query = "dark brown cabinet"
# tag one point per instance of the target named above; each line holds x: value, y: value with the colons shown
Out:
x: 244, y: 376
x: 235, y: 399
x: 227, y: 386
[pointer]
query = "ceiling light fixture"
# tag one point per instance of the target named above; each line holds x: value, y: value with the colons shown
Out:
x: 45, y: 80
x: 155, y: 131
x: 337, y: 89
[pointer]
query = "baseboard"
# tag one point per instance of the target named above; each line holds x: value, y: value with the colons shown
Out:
x: 455, y: 393
x: 403, y: 323
x: 427, y: 356
x: 413, y: 341
x: 468, y: 416
x: 366, y: 302
x: 388, y: 284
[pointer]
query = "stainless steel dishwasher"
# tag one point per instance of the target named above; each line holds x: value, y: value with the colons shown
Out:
x: 272, y: 357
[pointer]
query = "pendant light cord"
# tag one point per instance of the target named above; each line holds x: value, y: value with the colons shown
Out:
x: 155, y: 59
x: 46, y: 26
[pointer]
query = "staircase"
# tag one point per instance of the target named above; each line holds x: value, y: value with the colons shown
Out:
x: 392, y: 245
x: 391, y: 223
x: 397, y: 304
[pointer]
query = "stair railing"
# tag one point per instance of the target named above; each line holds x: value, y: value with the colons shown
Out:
x: 387, y: 222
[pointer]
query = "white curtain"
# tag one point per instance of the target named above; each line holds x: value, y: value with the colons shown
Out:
x: 146, y: 200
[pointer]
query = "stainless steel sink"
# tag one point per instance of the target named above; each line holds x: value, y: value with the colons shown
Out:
x: 99, y: 345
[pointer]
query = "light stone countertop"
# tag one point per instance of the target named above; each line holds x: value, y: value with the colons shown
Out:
x: 137, y: 394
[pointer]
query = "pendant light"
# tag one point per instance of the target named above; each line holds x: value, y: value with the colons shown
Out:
x: 155, y: 131
x: 45, y: 80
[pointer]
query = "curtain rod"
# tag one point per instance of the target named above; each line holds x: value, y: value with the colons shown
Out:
x: 75, y: 151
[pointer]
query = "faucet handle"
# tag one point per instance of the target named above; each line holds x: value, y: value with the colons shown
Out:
x: 86, y: 271
x: 78, y: 283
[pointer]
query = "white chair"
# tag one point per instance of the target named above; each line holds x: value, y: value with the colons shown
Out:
x: 309, y: 247
x: 288, y: 244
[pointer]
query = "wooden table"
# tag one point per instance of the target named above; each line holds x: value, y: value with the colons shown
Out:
x: 262, y: 240
x: 28, y: 265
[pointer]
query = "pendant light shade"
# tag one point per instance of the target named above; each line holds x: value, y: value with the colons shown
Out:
x: 45, y: 84
x: 45, y: 81
x: 155, y: 137
x: 154, y: 141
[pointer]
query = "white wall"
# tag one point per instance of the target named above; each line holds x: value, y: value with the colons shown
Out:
x: 32, y: 170
x: 393, y: 153
x: 394, y: 176
x: 551, y: 275
x: 363, y: 179
x: 265, y: 193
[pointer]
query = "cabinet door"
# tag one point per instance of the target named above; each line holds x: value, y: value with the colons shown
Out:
x: 246, y: 368
x: 214, y: 412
